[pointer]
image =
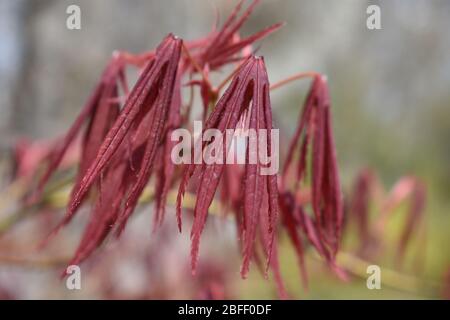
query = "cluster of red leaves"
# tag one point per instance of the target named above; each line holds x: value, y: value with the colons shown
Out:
x: 224, y: 47
x: 124, y: 145
x: 367, y: 191
x: 98, y: 113
x: 247, y: 96
x: 123, y: 161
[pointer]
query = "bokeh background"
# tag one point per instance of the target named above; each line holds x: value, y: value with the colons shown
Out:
x: 391, y: 108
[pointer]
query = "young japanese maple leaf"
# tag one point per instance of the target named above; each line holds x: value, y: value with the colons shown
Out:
x: 269, y: 245
x: 315, y: 129
x: 223, y: 45
x: 290, y: 217
x: 411, y: 188
x: 359, y: 207
x: 143, y: 121
x: 298, y: 222
x: 99, y: 113
x: 157, y: 129
x: 231, y: 189
x: 166, y: 170
x: 115, y: 183
x: 105, y: 211
x: 248, y: 94
x: 131, y: 145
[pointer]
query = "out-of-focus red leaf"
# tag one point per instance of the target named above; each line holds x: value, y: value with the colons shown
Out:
x: 99, y: 111
x: 223, y: 45
x: 316, y: 129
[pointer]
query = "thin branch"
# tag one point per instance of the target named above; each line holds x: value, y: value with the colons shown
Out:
x: 197, y: 67
x: 390, y: 278
x: 297, y: 76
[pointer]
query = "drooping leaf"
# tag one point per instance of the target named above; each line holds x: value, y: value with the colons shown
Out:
x: 315, y: 129
x: 98, y: 111
x: 153, y: 90
x: 248, y: 92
